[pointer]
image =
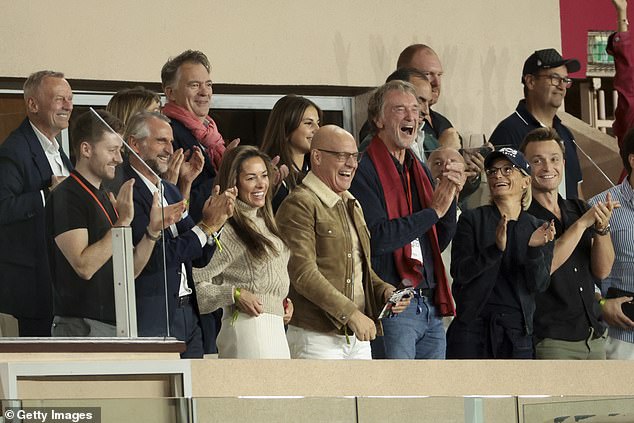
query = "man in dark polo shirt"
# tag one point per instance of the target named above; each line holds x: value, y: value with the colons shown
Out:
x: 566, y: 322
x: 545, y: 79
x: 79, y: 219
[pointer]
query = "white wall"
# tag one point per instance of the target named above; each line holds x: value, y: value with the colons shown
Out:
x: 482, y: 43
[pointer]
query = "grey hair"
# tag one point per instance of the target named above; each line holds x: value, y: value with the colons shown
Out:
x: 377, y: 101
x: 137, y: 126
x: 34, y: 81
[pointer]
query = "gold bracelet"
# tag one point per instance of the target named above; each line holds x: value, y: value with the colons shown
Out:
x: 206, y: 229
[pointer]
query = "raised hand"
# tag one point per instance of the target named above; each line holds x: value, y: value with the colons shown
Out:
x: 279, y: 173
x: 173, y: 166
x: 219, y: 207
x: 168, y: 216
x: 192, y: 165
x: 542, y: 235
x: 233, y: 144
x: 124, y: 204
x: 443, y: 196
x: 603, y: 212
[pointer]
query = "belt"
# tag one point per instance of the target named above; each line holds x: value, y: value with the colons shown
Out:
x: 424, y: 292
x: 184, y: 300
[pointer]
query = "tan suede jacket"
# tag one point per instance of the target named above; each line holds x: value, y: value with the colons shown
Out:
x: 313, y: 223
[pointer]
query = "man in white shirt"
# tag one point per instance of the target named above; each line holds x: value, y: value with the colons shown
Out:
x: 31, y: 165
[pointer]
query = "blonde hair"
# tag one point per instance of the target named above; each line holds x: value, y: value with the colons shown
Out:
x: 130, y: 101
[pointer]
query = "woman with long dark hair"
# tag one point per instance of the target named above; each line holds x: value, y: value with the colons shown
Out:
x: 288, y: 134
x: 247, y: 275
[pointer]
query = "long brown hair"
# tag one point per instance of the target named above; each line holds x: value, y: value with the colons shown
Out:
x: 285, y: 118
x: 259, y: 246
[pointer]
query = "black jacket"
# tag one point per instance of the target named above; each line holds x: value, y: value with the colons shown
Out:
x: 476, y: 263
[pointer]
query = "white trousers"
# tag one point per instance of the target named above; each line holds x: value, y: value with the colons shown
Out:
x: 252, y: 337
x: 309, y: 344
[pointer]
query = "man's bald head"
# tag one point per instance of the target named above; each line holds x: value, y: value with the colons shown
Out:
x: 440, y: 158
x: 329, y: 136
x: 333, y: 157
x: 407, y: 56
x: 425, y: 59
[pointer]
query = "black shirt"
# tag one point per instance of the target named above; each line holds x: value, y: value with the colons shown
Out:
x: 70, y: 206
x: 568, y: 309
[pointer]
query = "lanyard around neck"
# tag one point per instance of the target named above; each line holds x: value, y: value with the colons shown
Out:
x: 92, y: 194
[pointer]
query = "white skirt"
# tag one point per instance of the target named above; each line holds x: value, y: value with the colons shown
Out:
x: 252, y: 337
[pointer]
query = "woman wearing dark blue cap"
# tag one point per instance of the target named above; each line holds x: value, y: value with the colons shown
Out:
x: 501, y: 257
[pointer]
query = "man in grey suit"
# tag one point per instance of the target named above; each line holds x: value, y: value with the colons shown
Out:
x: 31, y: 165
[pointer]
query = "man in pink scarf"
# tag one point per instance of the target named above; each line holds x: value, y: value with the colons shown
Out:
x: 187, y: 85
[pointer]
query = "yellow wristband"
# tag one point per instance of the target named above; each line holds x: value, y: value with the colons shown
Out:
x: 602, y: 302
x: 236, y: 295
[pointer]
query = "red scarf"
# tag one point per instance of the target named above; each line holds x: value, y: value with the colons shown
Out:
x: 397, y: 206
x: 207, y: 135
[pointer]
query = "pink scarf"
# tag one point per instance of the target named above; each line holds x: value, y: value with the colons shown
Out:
x: 207, y: 135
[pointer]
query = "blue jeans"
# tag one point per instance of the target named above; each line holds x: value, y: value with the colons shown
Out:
x: 416, y: 333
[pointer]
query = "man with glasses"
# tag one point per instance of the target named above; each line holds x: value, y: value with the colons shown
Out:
x: 336, y: 295
x: 410, y: 223
x: 545, y: 79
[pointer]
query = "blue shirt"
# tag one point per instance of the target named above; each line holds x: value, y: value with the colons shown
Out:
x: 622, y: 233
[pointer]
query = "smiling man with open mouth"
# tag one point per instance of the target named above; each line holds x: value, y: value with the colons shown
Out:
x: 410, y: 223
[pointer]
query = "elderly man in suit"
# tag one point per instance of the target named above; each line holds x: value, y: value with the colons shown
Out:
x: 31, y: 166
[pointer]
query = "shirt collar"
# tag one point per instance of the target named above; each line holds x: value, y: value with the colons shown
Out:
x: 50, y: 146
x: 323, y: 192
x: 529, y: 119
x: 627, y: 192
x: 153, y: 188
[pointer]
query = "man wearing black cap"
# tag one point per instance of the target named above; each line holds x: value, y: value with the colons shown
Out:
x: 545, y: 79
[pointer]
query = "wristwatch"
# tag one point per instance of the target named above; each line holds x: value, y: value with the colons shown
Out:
x: 603, y: 231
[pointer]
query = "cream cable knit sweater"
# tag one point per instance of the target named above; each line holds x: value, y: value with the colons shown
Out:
x: 234, y: 267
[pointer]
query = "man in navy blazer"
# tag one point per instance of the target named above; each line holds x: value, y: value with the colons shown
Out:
x: 150, y: 136
x: 31, y: 165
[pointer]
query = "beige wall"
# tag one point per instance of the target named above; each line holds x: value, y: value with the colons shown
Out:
x: 482, y: 43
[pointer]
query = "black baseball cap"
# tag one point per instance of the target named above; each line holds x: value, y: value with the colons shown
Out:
x: 546, y: 59
x: 510, y: 154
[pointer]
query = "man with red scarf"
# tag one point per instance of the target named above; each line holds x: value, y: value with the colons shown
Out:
x: 187, y: 84
x: 410, y: 224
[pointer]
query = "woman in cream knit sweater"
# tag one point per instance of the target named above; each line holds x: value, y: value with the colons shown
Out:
x: 247, y: 275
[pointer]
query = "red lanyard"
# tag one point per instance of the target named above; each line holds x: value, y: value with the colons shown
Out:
x: 408, y: 190
x: 103, y: 209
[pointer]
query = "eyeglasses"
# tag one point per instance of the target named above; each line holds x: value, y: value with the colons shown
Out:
x: 556, y: 80
x: 505, y: 170
x: 342, y: 156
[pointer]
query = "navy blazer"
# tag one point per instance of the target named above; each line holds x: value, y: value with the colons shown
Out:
x: 25, y: 278
x: 203, y: 184
x: 185, y: 248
